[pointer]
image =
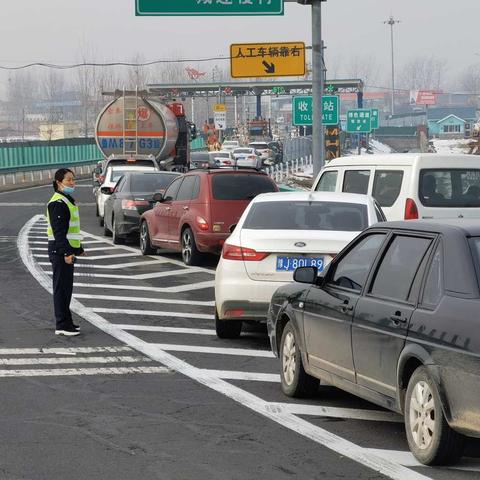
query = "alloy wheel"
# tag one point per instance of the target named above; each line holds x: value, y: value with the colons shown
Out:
x: 186, y: 246
x: 143, y: 237
x: 289, y: 358
x: 422, y: 415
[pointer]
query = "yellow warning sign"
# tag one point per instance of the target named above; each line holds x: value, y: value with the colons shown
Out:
x: 267, y: 59
x: 219, y: 107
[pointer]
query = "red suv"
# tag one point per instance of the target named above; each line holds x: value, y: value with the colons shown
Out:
x: 198, y: 211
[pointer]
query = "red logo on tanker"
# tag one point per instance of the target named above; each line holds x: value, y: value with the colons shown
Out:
x: 143, y: 114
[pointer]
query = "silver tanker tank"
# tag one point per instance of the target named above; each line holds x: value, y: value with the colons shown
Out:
x: 135, y: 124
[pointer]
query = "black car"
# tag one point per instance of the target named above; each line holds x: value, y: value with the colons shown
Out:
x: 395, y: 320
x: 132, y: 196
x: 277, y: 148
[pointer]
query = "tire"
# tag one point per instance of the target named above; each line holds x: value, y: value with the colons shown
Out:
x: 145, y: 244
x: 106, y: 231
x: 101, y: 221
x: 436, y: 443
x: 294, y: 380
x: 115, y: 238
x: 227, y: 328
x: 190, y: 254
x: 97, y: 213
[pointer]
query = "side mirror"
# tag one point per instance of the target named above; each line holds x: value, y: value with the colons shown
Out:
x: 98, y: 170
x: 158, y: 197
x: 106, y: 190
x: 306, y: 275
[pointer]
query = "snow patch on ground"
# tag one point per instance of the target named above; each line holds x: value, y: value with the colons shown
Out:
x: 451, y: 146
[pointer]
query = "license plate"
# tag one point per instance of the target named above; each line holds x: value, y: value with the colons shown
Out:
x: 289, y: 264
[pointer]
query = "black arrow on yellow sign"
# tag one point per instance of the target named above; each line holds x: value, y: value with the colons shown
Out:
x: 269, y: 67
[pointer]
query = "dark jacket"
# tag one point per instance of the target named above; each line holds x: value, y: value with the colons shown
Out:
x: 60, y: 219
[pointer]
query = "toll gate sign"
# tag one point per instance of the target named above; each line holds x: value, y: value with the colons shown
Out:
x: 208, y: 7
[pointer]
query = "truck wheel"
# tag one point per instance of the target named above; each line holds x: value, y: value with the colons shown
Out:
x: 227, y: 328
x: 430, y: 438
x: 190, y: 254
x: 145, y: 244
x: 295, y: 381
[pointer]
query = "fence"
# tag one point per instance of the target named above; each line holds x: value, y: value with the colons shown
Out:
x: 281, y: 171
x: 298, y: 147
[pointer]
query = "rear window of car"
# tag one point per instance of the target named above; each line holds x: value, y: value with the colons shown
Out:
x: 243, y: 150
x: 336, y: 216
x: 199, y: 157
x: 221, y: 155
x: 450, y: 187
x: 240, y: 186
x: 258, y: 146
x: 150, y: 183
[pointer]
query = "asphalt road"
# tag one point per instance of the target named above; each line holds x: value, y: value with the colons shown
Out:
x: 148, y: 391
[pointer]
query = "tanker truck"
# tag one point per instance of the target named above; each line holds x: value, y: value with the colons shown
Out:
x: 133, y: 125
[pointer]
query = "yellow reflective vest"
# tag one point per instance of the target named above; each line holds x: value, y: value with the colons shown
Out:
x: 73, y: 235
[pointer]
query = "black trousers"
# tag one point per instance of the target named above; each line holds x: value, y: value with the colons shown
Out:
x: 62, y: 291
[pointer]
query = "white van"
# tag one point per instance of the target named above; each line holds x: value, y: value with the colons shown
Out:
x: 409, y: 186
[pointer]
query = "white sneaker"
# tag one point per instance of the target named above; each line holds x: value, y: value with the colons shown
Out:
x: 67, y: 332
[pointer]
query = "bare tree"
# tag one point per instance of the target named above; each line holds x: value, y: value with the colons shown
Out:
x: 364, y: 67
x: 422, y: 73
x: 53, y: 88
x: 470, y: 79
x: 138, y: 76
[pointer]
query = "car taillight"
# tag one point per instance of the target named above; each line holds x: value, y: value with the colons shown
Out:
x: 133, y: 204
x: 202, y: 224
x: 232, y: 252
x: 411, y: 210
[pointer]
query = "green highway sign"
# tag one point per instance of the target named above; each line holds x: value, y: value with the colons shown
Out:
x: 303, y: 110
x: 359, y: 120
x: 208, y: 7
x: 374, y: 118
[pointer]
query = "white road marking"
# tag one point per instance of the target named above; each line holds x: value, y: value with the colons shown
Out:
x: 141, y: 276
x: 408, y: 460
x: 100, y: 257
x: 185, y: 331
x: 350, y: 413
x: 88, y: 242
x: 39, y: 236
x: 62, y: 351
x: 179, y: 289
x: 168, y: 301
x: 71, y: 360
x: 39, y: 243
x: 323, y: 437
x: 113, y: 247
x: 60, y: 372
x: 116, y: 266
x: 250, y: 376
x: 243, y: 352
x: 37, y: 204
x: 153, y: 313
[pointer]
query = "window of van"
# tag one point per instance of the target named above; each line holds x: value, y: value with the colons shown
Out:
x: 450, y: 187
x: 386, y: 186
x: 328, y: 181
x: 356, y: 181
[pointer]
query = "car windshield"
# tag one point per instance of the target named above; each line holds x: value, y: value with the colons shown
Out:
x: 243, y: 150
x: 221, y: 155
x: 151, y: 182
x: 304, y: 215
x: 240, y: 186
x: 450, y: 187
x: 116, y: 174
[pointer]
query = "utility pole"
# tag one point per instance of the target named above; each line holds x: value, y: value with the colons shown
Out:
x: 391, y: 21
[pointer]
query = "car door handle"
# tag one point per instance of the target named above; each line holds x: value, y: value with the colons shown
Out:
x: 185, y: 207
x: 346, y: 308
x: 167, y: 209
x: 398, y: 318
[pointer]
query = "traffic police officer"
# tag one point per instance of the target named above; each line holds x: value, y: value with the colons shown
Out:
x: 64, y: 244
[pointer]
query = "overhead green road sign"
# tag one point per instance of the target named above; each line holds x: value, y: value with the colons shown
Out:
x: 303, y: 110
x: 374, y: 120
x: 359, y: 120
x: 208, y: 7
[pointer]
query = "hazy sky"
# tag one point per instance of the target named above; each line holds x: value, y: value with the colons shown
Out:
x: 53, y: 30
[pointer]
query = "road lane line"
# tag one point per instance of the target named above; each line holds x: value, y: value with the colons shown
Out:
x: 180, y: 289
x: 61, y: 372
x: 323, y: 437
x: 243, y: 352
x: 249, y: 376
x: 100, y: 257
x: 62, y: 351
x: 350, y: 413
x: 71, y: 360
x: 141, y: 276
x: 168, y: 301
x: 153, y: 313
x: 185, y: 331
x: 116, y: 266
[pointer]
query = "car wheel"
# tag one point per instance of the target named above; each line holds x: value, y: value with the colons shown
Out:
x: 101, y: 221
x: 145, y: 244
x: 227, y: 328
x: 115, y: 238
x: 430, y: 438
x: 190, y: 254
x: 106, y: 230
x: 97, y: 212
x: 295, y: 381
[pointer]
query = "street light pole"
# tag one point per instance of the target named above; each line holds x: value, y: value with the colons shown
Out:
x: 318, y: 86
x: 391, y: 21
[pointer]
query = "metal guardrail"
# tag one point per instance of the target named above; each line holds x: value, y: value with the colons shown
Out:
x: 281, y: 171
